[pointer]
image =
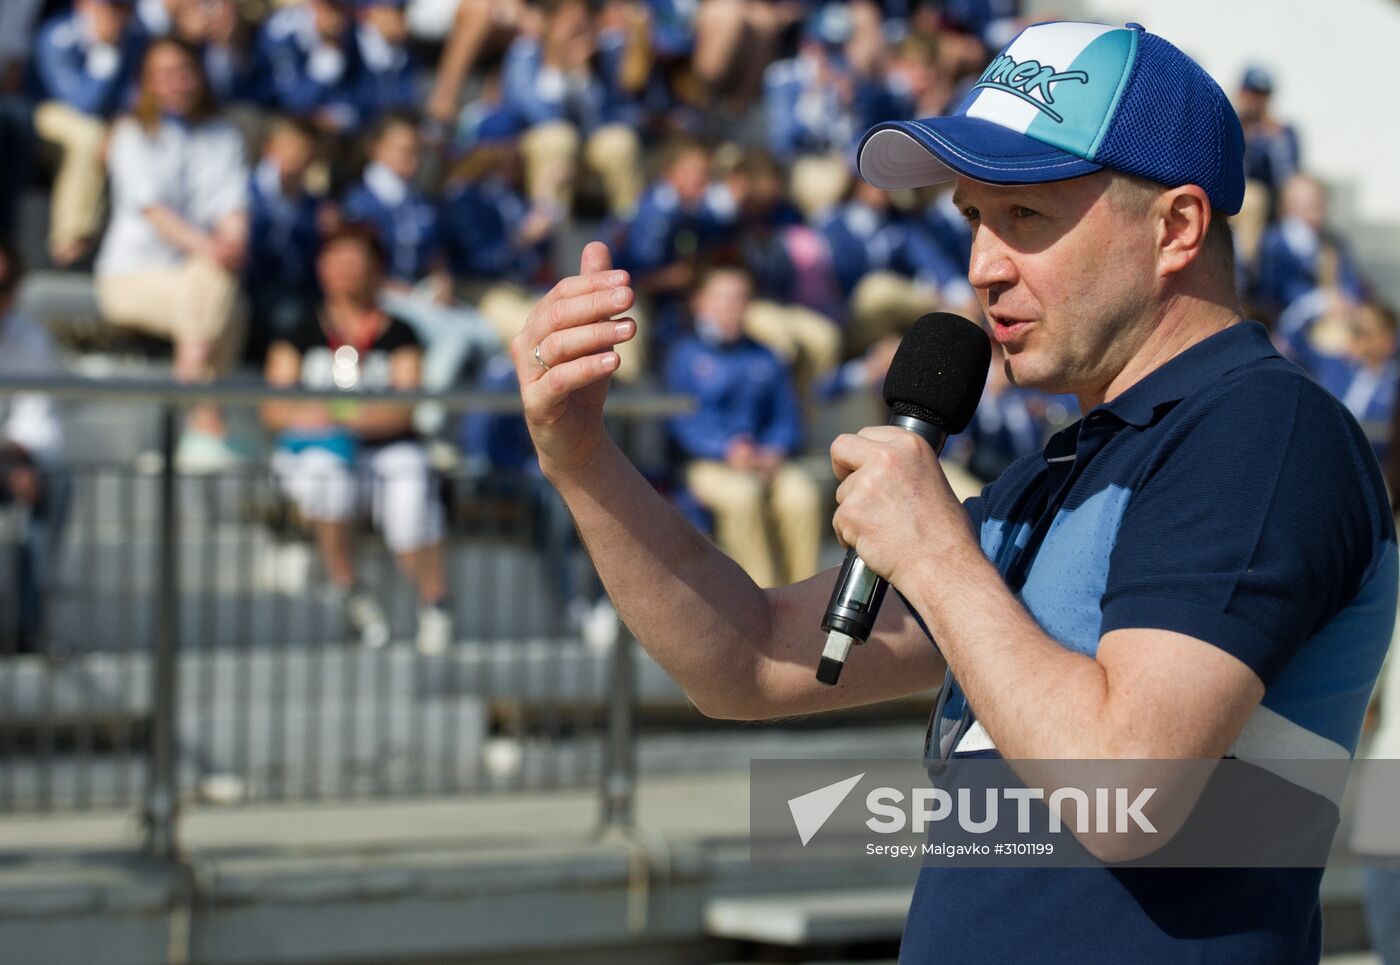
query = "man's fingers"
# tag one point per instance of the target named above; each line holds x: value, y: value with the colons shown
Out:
x: 576, y: 300
x: 583, y: 284
x: 844, y: 490
x: 847, y: 453
x: 582, y: 310
x: 571, y: 343
x: 595, y: 257
x: 884, y: 433
x: 552, y: 388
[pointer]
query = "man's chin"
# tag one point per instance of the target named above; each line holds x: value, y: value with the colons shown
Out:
x: 1023, y: 372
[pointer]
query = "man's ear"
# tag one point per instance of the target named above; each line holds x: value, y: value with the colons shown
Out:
x: 1183, y: 219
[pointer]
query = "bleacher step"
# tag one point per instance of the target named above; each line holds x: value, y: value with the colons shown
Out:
x: 795, y: 920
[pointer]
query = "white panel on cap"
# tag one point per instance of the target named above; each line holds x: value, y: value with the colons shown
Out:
x: 1052, y: 44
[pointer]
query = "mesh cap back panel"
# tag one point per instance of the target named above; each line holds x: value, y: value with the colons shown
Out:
x: 1167, y: 116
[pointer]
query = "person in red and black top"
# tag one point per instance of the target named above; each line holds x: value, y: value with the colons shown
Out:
x: 332, y: 457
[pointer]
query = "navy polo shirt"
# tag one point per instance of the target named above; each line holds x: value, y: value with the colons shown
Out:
x: 1228, y: 497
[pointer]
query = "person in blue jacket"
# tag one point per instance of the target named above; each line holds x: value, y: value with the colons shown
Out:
x: 1272, y: 153
x: 1361, y: 369
x: 814, y: 103
x: 389, y: 78
x: 418, y: 287
x: 566, y: 90
x: 86, y: 62
x: 499, y: 243
x: 889, y: 265
x: 284, y: 234
x: 309, y: 64
x: 492, y: 233
x: 1300, y: 253
x: 682, y: 217
x: 740, y: 440
x: 225, y: 38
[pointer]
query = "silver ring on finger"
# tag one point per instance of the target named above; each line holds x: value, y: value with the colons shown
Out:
x: 543, y: 364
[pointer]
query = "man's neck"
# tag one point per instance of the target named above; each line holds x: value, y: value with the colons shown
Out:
x: 1181, y: 325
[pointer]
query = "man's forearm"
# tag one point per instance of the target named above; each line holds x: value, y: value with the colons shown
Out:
x: 1036, y: 698
x: 694, y: 610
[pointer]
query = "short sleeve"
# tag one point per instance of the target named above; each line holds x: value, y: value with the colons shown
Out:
x: 1256, y: 521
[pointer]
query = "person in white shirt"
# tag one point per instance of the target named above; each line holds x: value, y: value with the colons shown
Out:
x: 170, y: 260
x: 32, y: 475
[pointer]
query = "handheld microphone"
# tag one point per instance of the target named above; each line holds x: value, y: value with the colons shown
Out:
x: 933, y: 387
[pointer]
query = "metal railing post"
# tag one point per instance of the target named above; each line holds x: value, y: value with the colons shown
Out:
x: 162, y: 791
x: 619, y: 783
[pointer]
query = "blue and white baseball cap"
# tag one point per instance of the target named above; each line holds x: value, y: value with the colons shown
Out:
x: 1068, y: 99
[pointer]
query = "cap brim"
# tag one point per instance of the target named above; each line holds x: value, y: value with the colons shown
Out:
x: 911, y: 154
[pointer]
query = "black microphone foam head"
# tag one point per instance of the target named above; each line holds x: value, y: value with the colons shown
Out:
x: 938, y: 373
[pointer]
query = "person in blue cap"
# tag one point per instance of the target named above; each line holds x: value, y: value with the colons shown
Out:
x: 1272, y: 152
x: 1203, y: 566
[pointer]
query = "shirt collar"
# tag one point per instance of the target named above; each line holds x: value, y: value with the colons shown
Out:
x: 385, y: 185
x: 1199, y: 366
x: 380, y: 56
x: 268, y: 178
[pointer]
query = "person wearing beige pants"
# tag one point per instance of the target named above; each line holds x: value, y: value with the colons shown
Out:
x: 168, y: 263
x: 193, y: 304
x: 769, y: 524
x: 741, y: 436
x: 807, y: 340
x: 551, y: 155
x: 76, y: 208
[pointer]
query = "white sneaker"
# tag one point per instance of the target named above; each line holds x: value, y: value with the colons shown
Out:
x: 601, y: 627
x: 199, y: 453
x: 366, y: 617
x: 434, y: 630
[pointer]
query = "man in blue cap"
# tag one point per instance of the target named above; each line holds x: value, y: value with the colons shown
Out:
x: 1204, y: 566
x: 1271, y: 149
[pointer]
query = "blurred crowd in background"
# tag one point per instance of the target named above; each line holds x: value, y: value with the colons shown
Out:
x: 370, y: 194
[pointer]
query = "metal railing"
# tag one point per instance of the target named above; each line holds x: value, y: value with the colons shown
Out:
x: 194, y: 650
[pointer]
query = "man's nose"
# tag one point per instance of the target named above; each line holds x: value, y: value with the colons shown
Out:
x: 991, y: 264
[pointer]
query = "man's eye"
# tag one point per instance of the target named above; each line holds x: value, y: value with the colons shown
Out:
x: 970, y: 214
x: 1020, y: 211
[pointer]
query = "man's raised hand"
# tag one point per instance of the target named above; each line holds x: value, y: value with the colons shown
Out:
x: 564, y: 359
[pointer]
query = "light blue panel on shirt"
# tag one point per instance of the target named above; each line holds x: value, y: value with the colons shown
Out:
x: 996, y: 547
x: 1070, y: 572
